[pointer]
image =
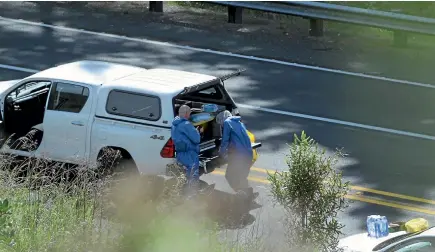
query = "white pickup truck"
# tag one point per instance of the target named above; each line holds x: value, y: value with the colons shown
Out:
x: 80, y: 108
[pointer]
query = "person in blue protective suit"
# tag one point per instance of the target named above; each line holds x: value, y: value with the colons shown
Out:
x: 186, y: 139
x: 236, y: 148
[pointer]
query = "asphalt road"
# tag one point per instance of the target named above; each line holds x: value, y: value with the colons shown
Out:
x: 387, y: 168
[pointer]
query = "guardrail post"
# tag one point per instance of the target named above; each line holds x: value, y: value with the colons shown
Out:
x: 156, y: 6
x: 235, y: 14
x: 316, y: 27
x: 400, y: 38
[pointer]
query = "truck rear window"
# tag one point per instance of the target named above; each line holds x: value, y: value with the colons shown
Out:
x: 209, y: 93
x: 134, y: 105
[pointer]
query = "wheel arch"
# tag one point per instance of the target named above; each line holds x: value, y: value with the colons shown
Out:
x: 124, y: 154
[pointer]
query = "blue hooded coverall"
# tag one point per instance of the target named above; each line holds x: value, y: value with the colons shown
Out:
x: 236, y: 145
x: 186, y: 140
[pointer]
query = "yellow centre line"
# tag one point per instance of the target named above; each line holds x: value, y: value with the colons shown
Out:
x: 364, y: 189
x: 361, y: 198
x: 391, y: 204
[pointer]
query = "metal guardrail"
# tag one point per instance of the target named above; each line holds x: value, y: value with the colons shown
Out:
x: 317, y: 12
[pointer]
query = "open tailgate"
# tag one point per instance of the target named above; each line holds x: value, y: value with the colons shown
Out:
x: 209, y: 83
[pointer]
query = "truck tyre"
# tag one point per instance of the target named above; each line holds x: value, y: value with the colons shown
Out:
x: 126, y: 167
x: 116, y: 161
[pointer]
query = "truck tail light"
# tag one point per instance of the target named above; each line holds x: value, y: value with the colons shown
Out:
x: 168, y: 150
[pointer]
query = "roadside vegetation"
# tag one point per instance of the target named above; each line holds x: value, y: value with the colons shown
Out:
x: 47, y: 206
x: 348, y: 34
x: 414, y: 8
x: 312, y: 193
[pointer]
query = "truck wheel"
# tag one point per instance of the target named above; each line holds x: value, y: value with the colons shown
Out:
x: 116, y: 162
x: 126, y: 168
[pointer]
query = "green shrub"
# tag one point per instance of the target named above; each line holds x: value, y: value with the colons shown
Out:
x: 312, y: 193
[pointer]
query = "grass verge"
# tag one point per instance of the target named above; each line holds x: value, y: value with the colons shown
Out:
x: 47, y: 206
x: 414, y: 8
x: 349, y: 33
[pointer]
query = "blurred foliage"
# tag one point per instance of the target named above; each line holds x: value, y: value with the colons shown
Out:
x: 53, y: 207
x: 6, y: 229
x: 415, y: 8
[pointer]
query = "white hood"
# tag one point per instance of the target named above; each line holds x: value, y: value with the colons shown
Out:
x: 363, y: 243
x: 4, y: 85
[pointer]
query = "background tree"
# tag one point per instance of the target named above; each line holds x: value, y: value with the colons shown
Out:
x: 312, y: 193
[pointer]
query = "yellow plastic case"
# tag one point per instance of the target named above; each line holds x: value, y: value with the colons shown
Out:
x: 415, y: 225
x: 255, y: 153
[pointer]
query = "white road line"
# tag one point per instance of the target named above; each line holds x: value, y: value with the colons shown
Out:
x: 21, y: 69
x: 345, y: 123
x: 229, y: 54
x: 287, y: 113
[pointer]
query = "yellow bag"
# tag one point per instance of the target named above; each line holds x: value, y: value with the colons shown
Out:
x: 416, y: 225
x: 255, y: 154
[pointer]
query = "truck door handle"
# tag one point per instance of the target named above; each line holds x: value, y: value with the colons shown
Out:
x: 76, y: 123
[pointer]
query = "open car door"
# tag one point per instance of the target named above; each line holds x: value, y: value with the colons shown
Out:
x: 5, y: 88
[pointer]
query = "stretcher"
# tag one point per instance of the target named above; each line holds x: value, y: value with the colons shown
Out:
x: 202, y: 119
